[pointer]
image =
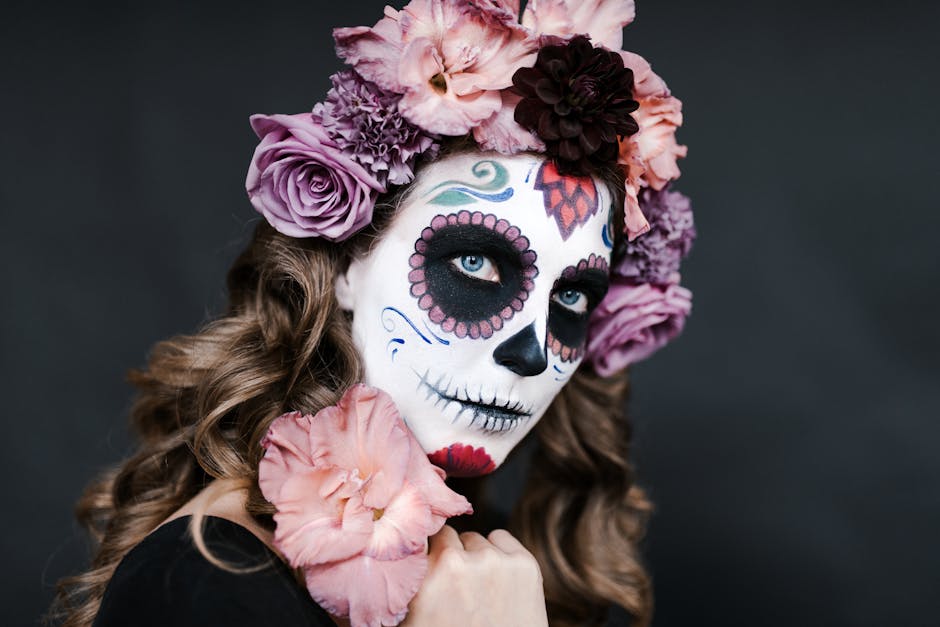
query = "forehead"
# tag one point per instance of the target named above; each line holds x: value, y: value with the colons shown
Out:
x: 563, y: 218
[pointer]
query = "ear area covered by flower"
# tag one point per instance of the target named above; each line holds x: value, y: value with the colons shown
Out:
x: 356, y: 500
x: 634, y: 321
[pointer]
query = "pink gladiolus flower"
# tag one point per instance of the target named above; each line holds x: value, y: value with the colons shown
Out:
x: 356, y: 500
x: 448, y: 59
x: 602, y: 20
x: 633, y: 322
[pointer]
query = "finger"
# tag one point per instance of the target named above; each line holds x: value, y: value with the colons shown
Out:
x: 446, y: 537
x: 506, y: 542
x: 472, y: 541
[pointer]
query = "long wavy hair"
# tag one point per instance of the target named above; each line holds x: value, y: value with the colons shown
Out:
x: 206, y: 400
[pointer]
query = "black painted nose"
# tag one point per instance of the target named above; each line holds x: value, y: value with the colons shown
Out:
x: 522, y: 353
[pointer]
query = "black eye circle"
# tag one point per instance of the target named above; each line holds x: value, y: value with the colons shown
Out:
x: 471, y: 272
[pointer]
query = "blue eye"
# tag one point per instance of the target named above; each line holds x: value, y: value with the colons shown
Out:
x: 575, y: 300
x: 471, y: 263
x: 477, y: 266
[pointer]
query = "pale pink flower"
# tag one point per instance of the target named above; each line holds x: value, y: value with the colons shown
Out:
x: 602, y: 20
x: 649, y: 156
x: 448, y: 59
x: 646, y: 82
x: 356, y: 500
x: 652, y: 152
x: 655, y: 143
x: 503, y: 134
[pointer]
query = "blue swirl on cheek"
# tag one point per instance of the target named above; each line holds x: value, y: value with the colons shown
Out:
x: 394, y: 340
x: 439, y: 339
x: 389, y: 325
x: 564, y: 374
x: 605, y: 235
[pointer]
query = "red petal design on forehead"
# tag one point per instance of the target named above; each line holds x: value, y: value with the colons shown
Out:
x: 571, y: 200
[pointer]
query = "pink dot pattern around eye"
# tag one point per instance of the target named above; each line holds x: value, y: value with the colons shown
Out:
x: 419, y: 288
x: 573, y: 353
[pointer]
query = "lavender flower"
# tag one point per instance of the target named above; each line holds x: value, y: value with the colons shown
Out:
x: 364, y: 121
x: 655, y: 256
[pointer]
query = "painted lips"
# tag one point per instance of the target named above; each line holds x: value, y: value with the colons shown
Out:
x: 462, y: 460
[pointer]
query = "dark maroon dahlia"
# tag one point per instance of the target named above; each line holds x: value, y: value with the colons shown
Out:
x: 578, y: 100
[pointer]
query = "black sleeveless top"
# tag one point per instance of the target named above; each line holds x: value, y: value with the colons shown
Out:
x: 165, y: 580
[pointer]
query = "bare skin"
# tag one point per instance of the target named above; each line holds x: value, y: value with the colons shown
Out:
x: 472, y: 581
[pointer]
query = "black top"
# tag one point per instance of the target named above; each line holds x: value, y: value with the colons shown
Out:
x: 165, y: 580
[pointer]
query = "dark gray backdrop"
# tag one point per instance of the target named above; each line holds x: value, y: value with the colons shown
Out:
x: 789, y: 439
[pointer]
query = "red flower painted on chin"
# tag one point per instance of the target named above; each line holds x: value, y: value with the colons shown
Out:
x: 462, y: 460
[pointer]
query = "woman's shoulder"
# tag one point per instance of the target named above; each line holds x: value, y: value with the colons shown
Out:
x: 166, y: 580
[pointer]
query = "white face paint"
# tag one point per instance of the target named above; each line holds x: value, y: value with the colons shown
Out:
x: 471, y: 311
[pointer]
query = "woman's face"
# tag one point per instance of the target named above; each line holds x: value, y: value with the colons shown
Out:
x: 472, y: 309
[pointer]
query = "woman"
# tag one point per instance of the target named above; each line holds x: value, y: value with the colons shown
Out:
x: 467, y: 278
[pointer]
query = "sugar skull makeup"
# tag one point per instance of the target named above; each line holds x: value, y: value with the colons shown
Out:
x: 472, y: 309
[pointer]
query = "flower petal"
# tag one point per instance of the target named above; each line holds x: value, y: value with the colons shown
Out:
x: 313, y: 526
x: 603, y: 20
x: 370, y: 592
x: 403, y: 527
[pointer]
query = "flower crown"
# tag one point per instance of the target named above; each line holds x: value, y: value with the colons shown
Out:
x: 553, y: 80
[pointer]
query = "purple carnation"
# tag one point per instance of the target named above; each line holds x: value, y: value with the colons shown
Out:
x: 364, y: 121
x: 655, y: 256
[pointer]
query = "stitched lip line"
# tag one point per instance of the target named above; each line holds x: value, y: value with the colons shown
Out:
x: 490, y: 416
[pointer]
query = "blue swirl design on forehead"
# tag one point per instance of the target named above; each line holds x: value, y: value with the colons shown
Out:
x: 491, y: 186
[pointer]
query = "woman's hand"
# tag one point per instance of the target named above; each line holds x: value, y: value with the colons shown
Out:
x: 474, y: 581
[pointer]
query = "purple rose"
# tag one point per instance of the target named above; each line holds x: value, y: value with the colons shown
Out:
x: 633, y: 322
x: 303, y: 184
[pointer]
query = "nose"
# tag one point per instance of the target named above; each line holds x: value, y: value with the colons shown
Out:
x: 522, y: 353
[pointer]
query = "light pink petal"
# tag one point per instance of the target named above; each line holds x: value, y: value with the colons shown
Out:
x: 285, y: 452
x: 655, y: 144
x: 403, y: 527
x: 312, y: 527
x: 646, y: 83
x: 429, y: 479
x: 603, y: 20
x: 370, y: 592
x: 488, y: 48
x: 635, y: 223
x: 374, y: 52
x: 503, y: 134
x: 385, y: 444
x: 448, y: 114
x: 364, y: 433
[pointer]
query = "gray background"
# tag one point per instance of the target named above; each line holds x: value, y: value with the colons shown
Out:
x: 789, y: 439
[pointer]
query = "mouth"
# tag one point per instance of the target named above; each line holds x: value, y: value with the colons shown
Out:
x: 493, y: 415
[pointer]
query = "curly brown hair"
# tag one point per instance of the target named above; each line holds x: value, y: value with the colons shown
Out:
x: 206, y: 400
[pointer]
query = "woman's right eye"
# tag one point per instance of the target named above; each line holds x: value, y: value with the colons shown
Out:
x: 477, y: 266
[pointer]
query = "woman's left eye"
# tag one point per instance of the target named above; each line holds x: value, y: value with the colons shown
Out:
x: 575, y: 300
x: 477, y: 266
